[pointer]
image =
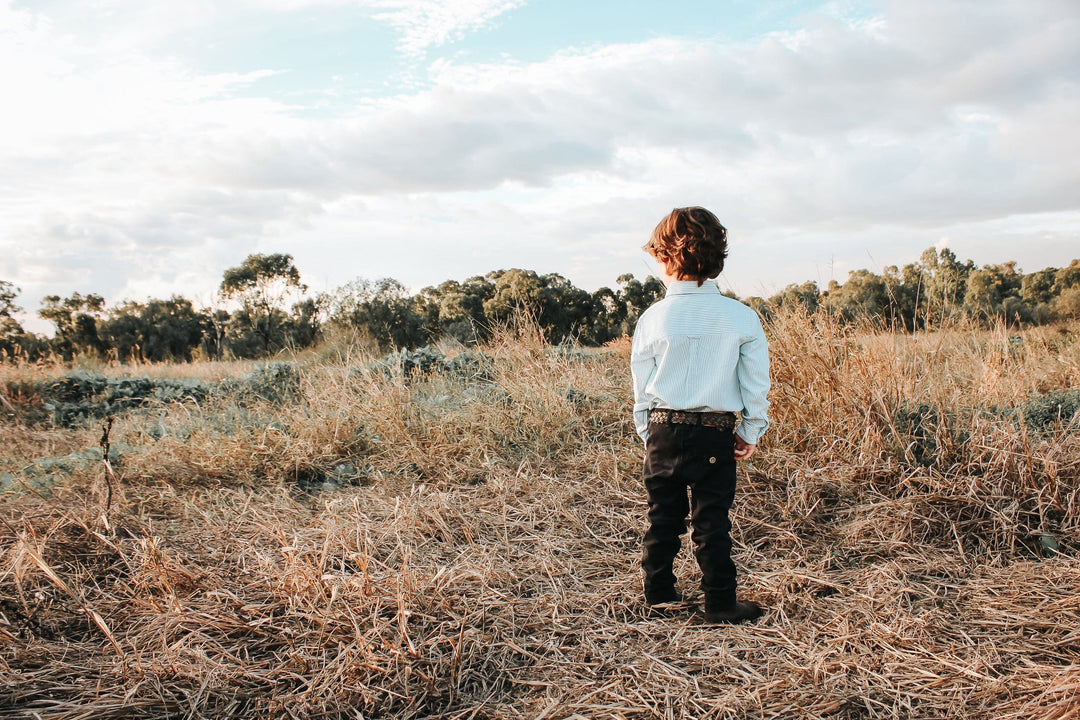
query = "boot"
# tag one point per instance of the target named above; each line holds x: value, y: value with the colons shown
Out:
x: 663, y: 596
x: 742, y: 610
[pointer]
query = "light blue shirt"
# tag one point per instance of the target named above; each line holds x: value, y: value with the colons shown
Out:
x: 700, y: 351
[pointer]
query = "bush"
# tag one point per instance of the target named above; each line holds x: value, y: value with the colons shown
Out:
x: 82, y: 396
x: 274, y: 382
x: 466, y: 365
x: 1047, y: 411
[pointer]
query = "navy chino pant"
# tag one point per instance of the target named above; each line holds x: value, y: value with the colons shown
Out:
x: 701, y: 460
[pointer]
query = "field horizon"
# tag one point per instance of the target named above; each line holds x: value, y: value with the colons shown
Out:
x: 456, y: 534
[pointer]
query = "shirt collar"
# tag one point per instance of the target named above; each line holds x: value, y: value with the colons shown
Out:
x: 690, y: 287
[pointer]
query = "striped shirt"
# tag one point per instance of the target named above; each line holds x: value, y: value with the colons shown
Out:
x: 700, y: 351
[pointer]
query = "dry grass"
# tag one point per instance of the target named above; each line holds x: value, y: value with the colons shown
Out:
x: 486, y: 567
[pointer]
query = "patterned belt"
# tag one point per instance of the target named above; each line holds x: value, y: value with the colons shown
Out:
x: 722, y: 420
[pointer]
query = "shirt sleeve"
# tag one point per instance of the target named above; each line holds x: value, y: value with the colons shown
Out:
x: 753, y: 374
x: 642, y: 368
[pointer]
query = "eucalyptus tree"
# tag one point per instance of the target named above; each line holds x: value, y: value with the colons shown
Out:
x: 263, y: 286
x: 75, y: 319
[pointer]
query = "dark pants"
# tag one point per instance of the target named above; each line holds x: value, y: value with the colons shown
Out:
x: 678, y: 457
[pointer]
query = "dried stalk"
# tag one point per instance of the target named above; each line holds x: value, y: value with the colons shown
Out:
x: 105, y: 444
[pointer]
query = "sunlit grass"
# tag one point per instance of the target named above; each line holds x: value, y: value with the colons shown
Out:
x: 453, y: 546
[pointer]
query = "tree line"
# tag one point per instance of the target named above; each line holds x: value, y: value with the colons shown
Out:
x: 938, y: 289
x: 262, y: 308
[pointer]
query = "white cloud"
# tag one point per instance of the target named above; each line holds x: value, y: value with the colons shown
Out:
x: 424, y: 24
x: 420, y: 24
x: 126, y: 170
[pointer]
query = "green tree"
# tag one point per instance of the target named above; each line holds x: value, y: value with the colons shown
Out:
x: 381, y: 312
x: 993, y: 291
x: 173, y: 329
x: 1037, y: 288
x: 215, y: 324
x: 515, y: 291
x: 907, y: 291
x: 75, y: 319
x: 124, y: 332
x: 607, y: 320
x: 305, y: 323
x: 457, y: 309
x: 559, y: 308
x: 8, y: 293
x: 1066, y: 290
x: 10, y: 330
x: 863, y: 295
x: 262, y: 285
x: 157, y: 331
x: 1037, y: 293
x: 564, y: 309
x: 943, y: 284
x: 806, y: 295
x: 636, y: 297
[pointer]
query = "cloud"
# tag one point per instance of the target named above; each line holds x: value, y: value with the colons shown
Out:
x: 419, y: 24
x: 932, y: 119
x: 424, y: 24
x: 833, y: 125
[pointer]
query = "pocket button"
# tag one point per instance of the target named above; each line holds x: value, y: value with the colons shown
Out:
x: 712, y: 461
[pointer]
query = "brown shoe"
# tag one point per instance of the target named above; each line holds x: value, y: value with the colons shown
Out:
x: 742, y: 611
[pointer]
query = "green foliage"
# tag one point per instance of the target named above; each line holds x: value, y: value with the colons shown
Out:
x: 125, y: 331
x: 256, y: 276
x: 173, y: 329
x: 1037, y: 288
x: 271, y: 314
x: 919, y: 425
x: 384, y: 314
x: 76, y: 386
x: 1066, y: 290
x: 806, y: 296
x: 157, y: 331
x: 471, y: 365
x: 994, y: 292
x: 262, y: 285
x: 943, y: 281
x: 422, y: 361
x: 1056, y: 408
x: 468, y: 365
x: 939, y: 287
x: 456, y: 309
x: 75, y: 319
x: 11, y: 332
x: 81, y: 396
x: 274, y: 382
x: 633, y: 298
x: 381, y: 311
x: 8, y: 293
x: 558, y: 307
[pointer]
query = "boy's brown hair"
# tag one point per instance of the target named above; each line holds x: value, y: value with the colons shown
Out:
x: 693, y: 241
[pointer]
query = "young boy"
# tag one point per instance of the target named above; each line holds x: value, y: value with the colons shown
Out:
x: 698, y: 358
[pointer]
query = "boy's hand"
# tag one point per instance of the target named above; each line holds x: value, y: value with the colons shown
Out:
x: 743, y: 449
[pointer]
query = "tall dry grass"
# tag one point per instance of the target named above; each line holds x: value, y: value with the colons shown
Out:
x: 483, y: 561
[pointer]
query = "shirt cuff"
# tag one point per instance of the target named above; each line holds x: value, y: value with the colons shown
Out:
x: 641, y: 424
x: 751, y: 431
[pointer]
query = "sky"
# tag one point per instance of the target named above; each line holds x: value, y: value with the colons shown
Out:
x: 147, y: 146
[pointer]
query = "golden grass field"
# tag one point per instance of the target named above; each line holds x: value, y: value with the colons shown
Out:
x: 482, y: 560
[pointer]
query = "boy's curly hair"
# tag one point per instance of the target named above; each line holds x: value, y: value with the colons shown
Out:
x: 693, y: 241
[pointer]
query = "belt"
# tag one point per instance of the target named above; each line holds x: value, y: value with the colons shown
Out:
x: 722, y: 420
